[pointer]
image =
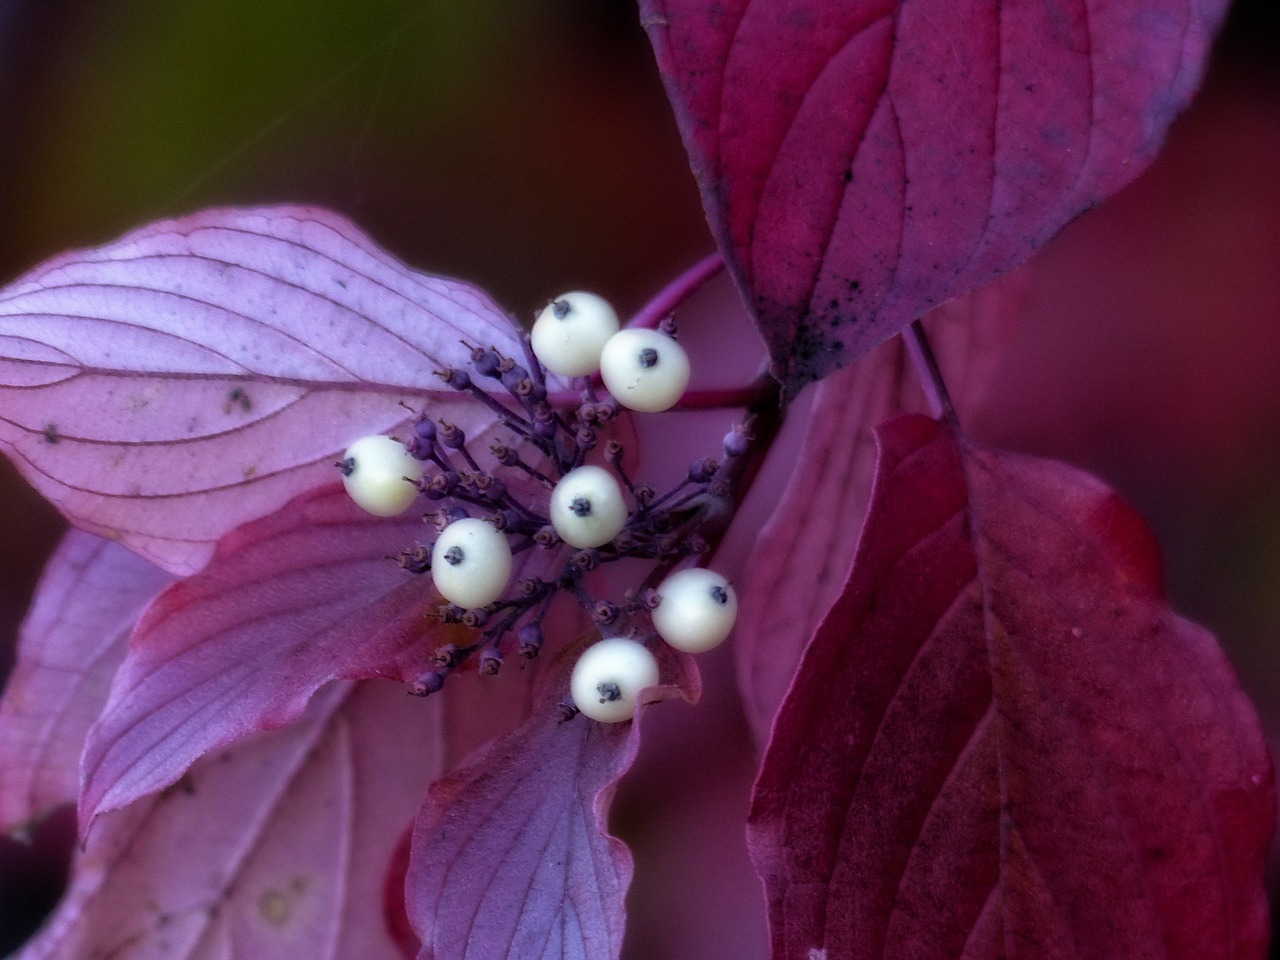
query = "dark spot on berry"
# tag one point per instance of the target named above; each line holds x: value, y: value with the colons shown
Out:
x: 609, y: 692
x: 719, y: 595
x: 454, y: 556
x: 580, y: 507
x: 648, y: 357
x: 347, y: 466
x: 560, y: 309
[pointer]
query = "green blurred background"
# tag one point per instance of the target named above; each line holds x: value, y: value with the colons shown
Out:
x: 526, y: 145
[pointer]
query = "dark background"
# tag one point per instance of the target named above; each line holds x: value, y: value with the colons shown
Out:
x: 526, y: 145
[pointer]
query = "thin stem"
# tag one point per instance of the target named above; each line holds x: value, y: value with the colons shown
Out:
x: 677, y: 292
x: 926, y: 364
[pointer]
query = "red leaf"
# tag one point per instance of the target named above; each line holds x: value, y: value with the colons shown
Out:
x: 1001, y: 742
x: 268, y: 849
x: 512, y: 859
x: 71, y: 643
x: 861, y: 162
x: 198, y: 373
x: 802, y: 556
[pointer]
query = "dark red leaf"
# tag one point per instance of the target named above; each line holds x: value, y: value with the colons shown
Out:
x: 198, y: 373
x: 1002, y: 743
x: 801, y: 559
x: 512, y: 859
x: 274, y: 847
x: 861, y: 162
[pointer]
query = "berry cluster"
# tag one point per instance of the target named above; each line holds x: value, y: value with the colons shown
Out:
x: 594, y: 513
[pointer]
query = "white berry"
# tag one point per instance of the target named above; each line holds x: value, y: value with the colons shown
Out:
x: 697, y: 610
x: 570, y: 332
x: 379, y: 475
x: 644, y: 370
x: 609, y: 676
x: 471, y: 563
x: 587, y: 508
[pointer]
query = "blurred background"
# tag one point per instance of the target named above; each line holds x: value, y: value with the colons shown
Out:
x: 526, y: 145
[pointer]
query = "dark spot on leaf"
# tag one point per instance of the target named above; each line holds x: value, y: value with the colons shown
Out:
x: 51, y: 433
x: 237, y: 397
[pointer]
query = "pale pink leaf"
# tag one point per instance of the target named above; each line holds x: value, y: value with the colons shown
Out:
x: 70, y: 645
x: 306, y: 596
x: 512, y: 858
x: 273, y: 848
x: 200, y: 372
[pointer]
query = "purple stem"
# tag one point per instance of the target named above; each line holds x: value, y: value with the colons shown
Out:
x: 677, y: 292
x: 926, y: 364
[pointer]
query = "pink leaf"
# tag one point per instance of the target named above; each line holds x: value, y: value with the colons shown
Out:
x: 861, y: 162
x: 198, y: 373
x: 802, y: 556
x: 1002, y: 743
x: 71, y: 643
x: 268, y: 849
x: 289, y: 603
x: 512, y: 859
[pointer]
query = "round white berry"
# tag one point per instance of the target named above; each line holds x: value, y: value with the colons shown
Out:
x: 697, y: 610
x: 644, y: 370
x: 379, y: 475
x: 471, y: 563
x: 587, y: 508
x: 570, y: 332
x: 609, y: 676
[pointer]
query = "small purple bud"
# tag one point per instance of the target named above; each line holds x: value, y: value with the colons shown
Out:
x: 737, y: 442
x: 427, y: 684
x: 447, y: 657
x: 490, y: 662
x: 544, y: 423
x: 668, y: 326
x: 475, y: 618
x: 485, y: 361
x: 450, y: 613
x: 504, y: 455
x: 567, y: 711
x: 456, y: 513
x: 496, y: 490
x: 651, y: 599
x: 440, y: 485
x: 530, y: 389
x: 613, y: 452
x: 530, y: 639
x: 645, y: 494
x: 511, y: 378
x: 452, y: 436
x: 546, y: 537
x: 605, y: 613
x: 586, y: 437
x: 415, y: 559
x: 585, y: 559
x: 697, y: 545
x: 420, y: 449
x: 458, y: 379
x: 425, y: 429
x: 700, y: 471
